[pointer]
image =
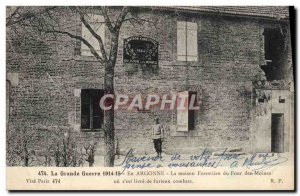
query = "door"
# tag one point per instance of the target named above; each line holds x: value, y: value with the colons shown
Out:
x: 277, y: 132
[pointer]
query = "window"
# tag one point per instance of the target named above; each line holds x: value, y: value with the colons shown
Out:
x: 91, y: 114
x: 274, y: 54
x: 97, y: 24
x: 185, y: 115
x: 281, y: 100
x: 187, y: 44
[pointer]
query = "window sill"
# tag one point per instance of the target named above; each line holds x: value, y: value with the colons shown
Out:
x: 91, y: 130
x: 189, y: 133
x: 85, y: 58
x: 92, y: 133
x: 185, y: 63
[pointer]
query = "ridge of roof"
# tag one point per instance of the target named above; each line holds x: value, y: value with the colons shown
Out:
x: 275, y: 12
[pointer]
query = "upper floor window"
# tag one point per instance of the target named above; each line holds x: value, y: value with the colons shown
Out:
x: 98, y: 25
x: 274, y: 54
x: 187, y: 44
x: 91, y: 113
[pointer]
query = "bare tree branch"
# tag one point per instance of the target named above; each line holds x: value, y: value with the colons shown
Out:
x: 107, y: 20
x: 25, y: 16
x: 121, y: 18
x: 93, y: 51
x: 14, y: 13
x: 115, y: 35
x: 141, y: 21
x: 98, y: 37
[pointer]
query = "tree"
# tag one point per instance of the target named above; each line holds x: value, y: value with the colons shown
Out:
x: 19, y: 146
x: 43, y: 20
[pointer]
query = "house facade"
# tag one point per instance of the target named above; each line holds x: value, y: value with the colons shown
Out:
x: 236, y: 60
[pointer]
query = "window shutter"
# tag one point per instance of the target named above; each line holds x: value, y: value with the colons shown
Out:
x: 192, y: 42
x: 77, y: 110
x: 85, y: 109
x: 85, y: 51
x: 181, y: 41
x: 182, y: 114
x: 77, y: 49
x: 261, y: 46
x: 97, y: 24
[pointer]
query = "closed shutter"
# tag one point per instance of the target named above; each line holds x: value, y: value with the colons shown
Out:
x: 97, y: 24
x: 181, y: 41
x: 192, y: 44
x: 182, y: 111
x: 187, y: 43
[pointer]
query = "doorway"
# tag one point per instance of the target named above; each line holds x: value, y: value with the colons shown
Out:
x: 277, y: 132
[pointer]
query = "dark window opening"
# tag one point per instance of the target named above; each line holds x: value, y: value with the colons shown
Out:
x: 91, y: 113
x: 260, y: 100
x: 191, y: 116
x: 281, y: 100
x: 274, y: 51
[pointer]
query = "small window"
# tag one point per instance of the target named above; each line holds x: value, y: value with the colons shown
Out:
x: 187, y: 44
x: 274, y: 54
x: 281, y: 100
x: 186, y: 116
x: 261, y: 100
x: 97, y: 24
x: 91, y: 113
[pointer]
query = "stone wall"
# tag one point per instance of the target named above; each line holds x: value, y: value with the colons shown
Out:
x: 229, y: 52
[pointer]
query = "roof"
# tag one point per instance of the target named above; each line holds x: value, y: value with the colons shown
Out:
x: 275, y: 12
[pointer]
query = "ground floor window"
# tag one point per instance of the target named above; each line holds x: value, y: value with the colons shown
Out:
x: 186, y: 113
x: 91, y: 113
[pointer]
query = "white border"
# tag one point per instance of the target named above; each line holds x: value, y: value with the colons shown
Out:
x: 5, y: 3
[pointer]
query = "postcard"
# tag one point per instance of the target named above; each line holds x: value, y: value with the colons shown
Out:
x: 150, y: 98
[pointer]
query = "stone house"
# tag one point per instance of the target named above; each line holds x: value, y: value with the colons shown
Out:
x: 237, y: 60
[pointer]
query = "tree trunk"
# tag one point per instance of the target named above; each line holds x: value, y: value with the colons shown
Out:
x: 109, y: 118
x: 109, y: 132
